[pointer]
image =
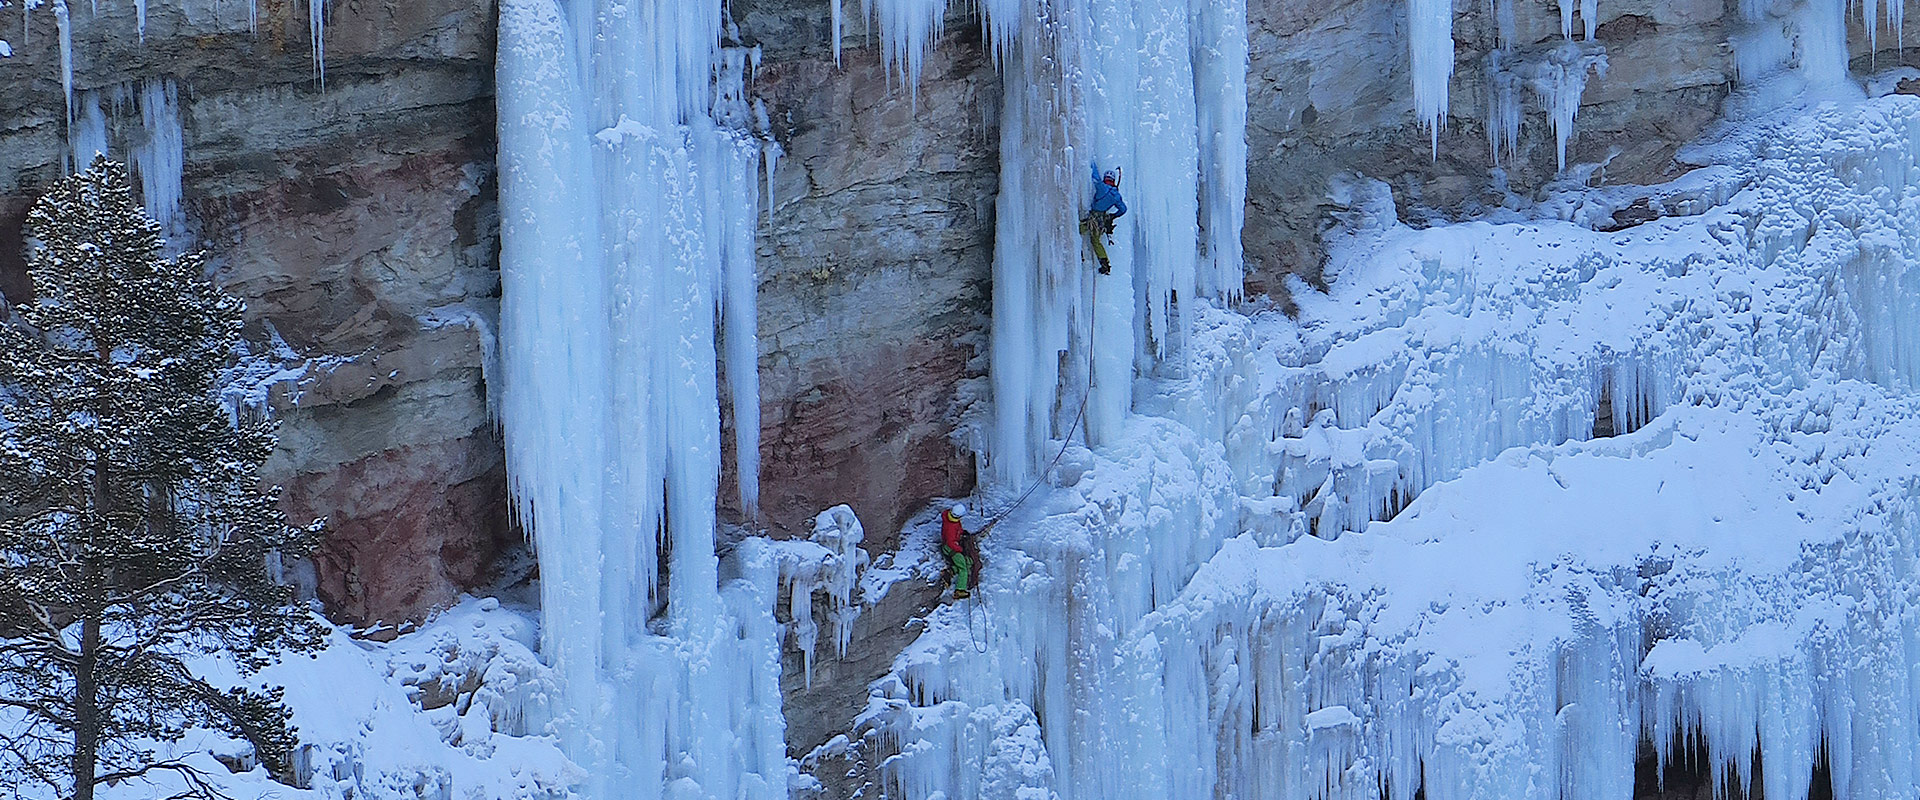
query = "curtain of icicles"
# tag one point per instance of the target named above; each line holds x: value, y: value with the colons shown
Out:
x: 1153, y: 88
x: 628, y: 196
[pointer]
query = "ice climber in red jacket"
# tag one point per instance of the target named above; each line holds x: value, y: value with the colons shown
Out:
x: 958, y: 551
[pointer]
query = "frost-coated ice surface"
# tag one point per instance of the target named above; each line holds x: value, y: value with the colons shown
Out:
x: 629, y: 183
x: 1209, y: 605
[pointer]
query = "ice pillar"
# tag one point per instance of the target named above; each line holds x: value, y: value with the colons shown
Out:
x: 628, y: 209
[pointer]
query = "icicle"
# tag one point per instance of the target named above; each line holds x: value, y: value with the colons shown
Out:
x: 1560, y: 81
x: 1505, y: 26
x: 836, y: 32
x: 160, y: 156
x: 1590, y: 16
x: 1430, y: 41
x: 1503, y: 108
x: 317, y: 38
x: 140, y: 14
x: 65, y: 25
x: 907, y: 28
x: 1869, y: 18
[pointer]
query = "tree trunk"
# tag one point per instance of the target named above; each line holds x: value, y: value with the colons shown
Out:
x: 86, y: 677
x: 86, y: 709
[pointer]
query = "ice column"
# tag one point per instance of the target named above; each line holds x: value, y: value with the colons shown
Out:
x: 1038, y: 265
x: 160, y: 155
x: 1430, y: 51
x: 1153, y: 88
x: 628, y: 211
x: 1220, y: 93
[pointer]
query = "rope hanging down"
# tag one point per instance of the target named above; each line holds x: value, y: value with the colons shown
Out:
x: 1078, y: 417
x: 981, y: 641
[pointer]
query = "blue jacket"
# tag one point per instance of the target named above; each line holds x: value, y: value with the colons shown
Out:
x: 1107, y: 198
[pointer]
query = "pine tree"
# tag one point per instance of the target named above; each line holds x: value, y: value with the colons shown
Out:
x: 135, y: 536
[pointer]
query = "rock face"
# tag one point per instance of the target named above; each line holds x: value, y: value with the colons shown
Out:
x: 356, y: 219
x: 1329, y: 94
x: 874, y: 270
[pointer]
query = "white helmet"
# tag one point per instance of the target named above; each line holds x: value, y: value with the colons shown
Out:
x: 959, y: 509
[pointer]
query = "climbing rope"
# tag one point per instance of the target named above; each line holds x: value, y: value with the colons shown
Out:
x: 982, y: 637
x: 1078, y: 417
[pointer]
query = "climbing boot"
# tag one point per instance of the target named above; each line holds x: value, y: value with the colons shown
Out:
x: 1106, y: 267
x: 960, y: 594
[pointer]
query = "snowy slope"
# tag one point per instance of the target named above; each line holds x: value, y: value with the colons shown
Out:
x: 460, y: 709
x: 1206, y: 608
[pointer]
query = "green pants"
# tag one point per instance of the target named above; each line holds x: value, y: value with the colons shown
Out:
x: 962, y: 567
x: 1096, y: 225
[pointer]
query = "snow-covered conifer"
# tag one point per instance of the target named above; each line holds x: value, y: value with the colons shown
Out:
x: 135, y: 536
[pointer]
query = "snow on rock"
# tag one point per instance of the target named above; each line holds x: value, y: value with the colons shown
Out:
x: 828, y: 562
x: 1391, y: 546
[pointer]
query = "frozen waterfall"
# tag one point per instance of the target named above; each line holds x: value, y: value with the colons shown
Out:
x: 629, y: 185
x: 1658, y: 486
x: 1509, y: 504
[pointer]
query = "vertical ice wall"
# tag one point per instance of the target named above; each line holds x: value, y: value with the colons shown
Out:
x: 1155, y: 89
x: 628, y: 215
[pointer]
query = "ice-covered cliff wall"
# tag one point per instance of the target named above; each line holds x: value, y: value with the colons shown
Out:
x: 1204, y: 605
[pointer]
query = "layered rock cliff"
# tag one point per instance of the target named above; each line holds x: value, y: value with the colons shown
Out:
x: 354, y: 216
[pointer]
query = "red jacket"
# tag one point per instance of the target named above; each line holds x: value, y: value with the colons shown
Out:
x: 950, y: 530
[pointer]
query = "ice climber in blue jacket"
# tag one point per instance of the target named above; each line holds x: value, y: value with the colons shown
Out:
x: 1107, y: 207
